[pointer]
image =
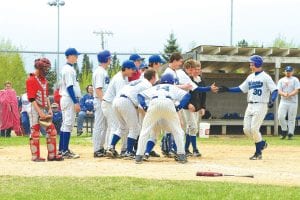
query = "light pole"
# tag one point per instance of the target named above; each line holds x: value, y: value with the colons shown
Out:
x: 57, y: 3
x: 231, y: 22
x: 102, y: 33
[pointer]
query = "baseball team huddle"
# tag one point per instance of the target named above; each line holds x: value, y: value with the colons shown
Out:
x: 138, y: 104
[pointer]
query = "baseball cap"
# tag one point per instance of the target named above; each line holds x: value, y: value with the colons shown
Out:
x: 129, y: 64
x: 143, y: 65
x: 135, y: 57
x: 155, y: 59
x: 288, y: 69
x: 71, y: 51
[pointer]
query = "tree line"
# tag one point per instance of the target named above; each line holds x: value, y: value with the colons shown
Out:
x: 12, y: 66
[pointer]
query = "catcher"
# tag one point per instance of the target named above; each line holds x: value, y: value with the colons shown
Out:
x: 37, y: 92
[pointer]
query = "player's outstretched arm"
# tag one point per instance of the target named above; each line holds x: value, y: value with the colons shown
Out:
x: 273, y: 98
x: 142, y: 102
x: 224, y: 88
x: 184, y: 101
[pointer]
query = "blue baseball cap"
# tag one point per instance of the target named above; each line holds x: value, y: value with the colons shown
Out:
x: 289, y: 69
x: 129, y: 64
x: 71, y: 51
x: 143, y: 66
x: 156, y: 59
x: 135, y: 57
x: 103, y: 56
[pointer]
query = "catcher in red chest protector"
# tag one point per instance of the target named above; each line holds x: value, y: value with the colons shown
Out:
x: 41, y: 115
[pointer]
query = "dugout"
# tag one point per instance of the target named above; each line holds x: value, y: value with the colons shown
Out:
x: 226, y: 65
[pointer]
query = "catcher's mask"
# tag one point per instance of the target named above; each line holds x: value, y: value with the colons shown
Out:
x: 43, y: 65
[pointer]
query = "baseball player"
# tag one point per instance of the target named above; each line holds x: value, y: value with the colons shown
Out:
x: 37, y: 92
x: 116, y: 84
x: 70, y: 93
x: 100, y: 83
x: 288, y: 87
x: 161, y: 112
x: 125, y: 106
x: 258, y: 85
x: 137, y: 59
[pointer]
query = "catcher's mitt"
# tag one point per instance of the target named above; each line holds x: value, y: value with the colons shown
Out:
x: 223, y: 89
x: 46, y: 121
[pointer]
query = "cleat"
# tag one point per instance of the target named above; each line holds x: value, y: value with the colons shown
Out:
x: 99, y: 153
x: 181, y: 158
x: 122, y: 154
x: 256, y: 156
x: 70, y: 155
x: 154, y: 154
x: 56, y: 158
x: 188, y: 153
x: 283, y: 137
x: 290, y: 136
x: 112, y: 153
x: 128, y: 156
x: 146, y: 157
x: 39, y: 159
x: 138, y: 159
x: 196, y: 153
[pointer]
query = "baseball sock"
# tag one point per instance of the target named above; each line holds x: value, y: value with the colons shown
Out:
x: 187, y: 142
x: 169, y: 141
x: 174, y: 146
x: 61, y: 141
x: 130, y: 143
x: 194, y: 142
x: 149, y: 146
x: 114, y: 140
x: 67, y: 140
x: 258, y: 147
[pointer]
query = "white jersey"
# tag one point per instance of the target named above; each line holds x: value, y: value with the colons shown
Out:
x: 181, y: 78
x: 68, y: 77
x: 164, y: 91
x: 134, y: 88
x: 26, y: 105
x: 100, y: 80
x: 258, y: 87
x: 287, y: 85
x: 116, y: 84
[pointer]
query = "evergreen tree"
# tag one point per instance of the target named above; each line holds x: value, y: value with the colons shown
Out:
x: 85, y: 77
x: 12, y: 67
x: 171, y: 47
x: 242, y: 43
x: 115, y: 66
x: 282, y: 42
x: 51, y: 77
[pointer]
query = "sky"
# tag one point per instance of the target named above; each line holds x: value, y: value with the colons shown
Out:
x: 144, y: 26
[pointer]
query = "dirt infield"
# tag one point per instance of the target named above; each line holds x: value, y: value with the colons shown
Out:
x: 280, y: 165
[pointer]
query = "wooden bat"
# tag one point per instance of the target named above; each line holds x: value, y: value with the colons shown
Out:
x: 214, y: 174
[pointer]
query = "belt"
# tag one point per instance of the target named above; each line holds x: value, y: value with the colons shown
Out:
x: 252, y: 102
x: 122, y: 95
x: 157, y: 97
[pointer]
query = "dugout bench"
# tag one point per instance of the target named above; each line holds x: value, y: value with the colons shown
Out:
x: 235, y: 122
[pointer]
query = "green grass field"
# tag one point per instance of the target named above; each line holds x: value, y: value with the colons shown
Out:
x: 15, y: 187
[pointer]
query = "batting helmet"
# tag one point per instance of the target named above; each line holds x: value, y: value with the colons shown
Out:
x: 42, y: 63
x: 288, y: 69
x: 103, y: 56
x: 257, y: 60
x: 167, y: 78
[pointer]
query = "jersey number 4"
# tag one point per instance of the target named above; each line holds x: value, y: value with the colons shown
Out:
x: 257, y: 92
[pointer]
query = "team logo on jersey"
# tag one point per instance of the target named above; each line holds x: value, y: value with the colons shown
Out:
x: 106, y: 80
x: 255, y: 84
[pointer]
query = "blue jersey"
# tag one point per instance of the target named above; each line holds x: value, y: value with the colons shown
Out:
x: 86, y: 103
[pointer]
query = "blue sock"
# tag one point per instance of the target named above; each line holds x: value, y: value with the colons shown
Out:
x: 67, y: 140
x: 130, y: 143
x: 187, y: 142
x: 194, y: 142
x: 149, y: 146
x: 114, y: 140
x: 61, y: 141
x: 258, y: 147
x: 174, y: 146
x: 169, y: 140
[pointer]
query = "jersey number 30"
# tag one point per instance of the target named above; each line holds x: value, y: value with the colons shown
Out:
x: 257, y: 92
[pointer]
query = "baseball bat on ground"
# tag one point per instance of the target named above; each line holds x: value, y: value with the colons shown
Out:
x: 214, y: 174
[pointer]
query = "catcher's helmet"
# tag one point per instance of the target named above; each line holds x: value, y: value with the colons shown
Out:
x: 257, y: 60
x: 103, y: 56
x: 42, y: 63
x: 167, y: 78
